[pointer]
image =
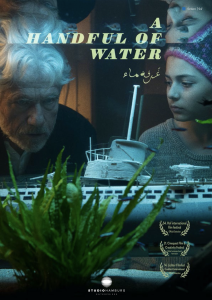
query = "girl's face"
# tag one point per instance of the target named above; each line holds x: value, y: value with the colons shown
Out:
x: 186, y: 87
x: 186, y: 17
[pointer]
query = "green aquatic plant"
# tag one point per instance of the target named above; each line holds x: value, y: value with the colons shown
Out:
x: 209, y: 121
x: 59, y: 241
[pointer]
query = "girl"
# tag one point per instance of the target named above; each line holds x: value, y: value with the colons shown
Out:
x: 189, y: 91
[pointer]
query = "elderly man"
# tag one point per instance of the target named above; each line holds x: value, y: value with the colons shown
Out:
x: 34, y: 127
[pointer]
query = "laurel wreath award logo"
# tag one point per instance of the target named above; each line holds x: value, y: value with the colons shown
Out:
x: 175, y: 250
x: 164, y: 232
x: 184, y: 274
x: 186, y: 250
x: 172, y: 229
x: 165, y: 274
x: 184, y: 232
x: 165, y: 253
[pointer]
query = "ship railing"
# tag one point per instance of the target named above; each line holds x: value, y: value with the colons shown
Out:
x: 97, y: 154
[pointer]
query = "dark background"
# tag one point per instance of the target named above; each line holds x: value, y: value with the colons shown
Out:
x: 111, y: 94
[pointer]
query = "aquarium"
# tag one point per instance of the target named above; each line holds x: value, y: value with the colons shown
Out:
x: 113, y: 83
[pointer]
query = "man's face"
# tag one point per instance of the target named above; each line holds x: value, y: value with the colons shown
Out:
x: 28, y: 116
x: 185, y: 23
x: 186, y: 90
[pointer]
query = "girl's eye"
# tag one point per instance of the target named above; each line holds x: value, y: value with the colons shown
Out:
x: 173, y: 5
x: 188, y: 19
x: 187, y: 84
x: 168, y: 27
x: 183, y: 40
x: 168, y: 83
x: 183, y: 28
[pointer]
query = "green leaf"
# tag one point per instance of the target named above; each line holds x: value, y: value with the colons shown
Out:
x: 41, y: 192
x: 58, y: 241
x: 119, y: 218
x: 141, y: 229
x: 101, y: 214
x: 209, y: 121
x: 13, y: 176
x: 57, y: 174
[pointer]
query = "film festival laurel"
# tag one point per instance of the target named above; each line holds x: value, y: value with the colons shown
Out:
x: 176, y: 250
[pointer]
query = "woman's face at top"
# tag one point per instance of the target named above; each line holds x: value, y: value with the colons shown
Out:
x: 187, y: 88
x: 185, y: 23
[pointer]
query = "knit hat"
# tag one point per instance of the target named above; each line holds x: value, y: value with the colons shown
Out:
x: 197, y: 52
x: 204, y: 32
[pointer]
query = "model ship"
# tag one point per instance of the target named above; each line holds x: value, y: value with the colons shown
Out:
x: 120, y: 161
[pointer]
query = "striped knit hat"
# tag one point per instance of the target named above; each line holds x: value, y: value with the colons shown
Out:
x: 204, y: 32
x: 197, y: 52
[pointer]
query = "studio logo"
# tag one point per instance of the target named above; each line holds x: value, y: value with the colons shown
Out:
x: 106, y: 281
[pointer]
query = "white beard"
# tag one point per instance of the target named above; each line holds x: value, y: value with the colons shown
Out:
x: 24, y: 142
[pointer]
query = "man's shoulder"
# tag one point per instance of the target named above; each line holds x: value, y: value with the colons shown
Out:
x: 72, y: 131
x: 68, y: 120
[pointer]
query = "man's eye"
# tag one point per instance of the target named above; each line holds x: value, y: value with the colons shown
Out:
x: 22, y: 102
x: 49, y: 101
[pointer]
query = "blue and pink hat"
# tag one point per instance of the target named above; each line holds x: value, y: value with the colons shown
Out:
x: 197, y: 52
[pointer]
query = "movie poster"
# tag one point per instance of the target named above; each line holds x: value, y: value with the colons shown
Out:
x: 128, y: 49
x: 133, y: 78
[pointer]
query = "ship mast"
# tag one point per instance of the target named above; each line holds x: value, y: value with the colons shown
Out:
x: 132, y: 112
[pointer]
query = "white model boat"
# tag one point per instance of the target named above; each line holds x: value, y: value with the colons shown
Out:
x: 120, y: 161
